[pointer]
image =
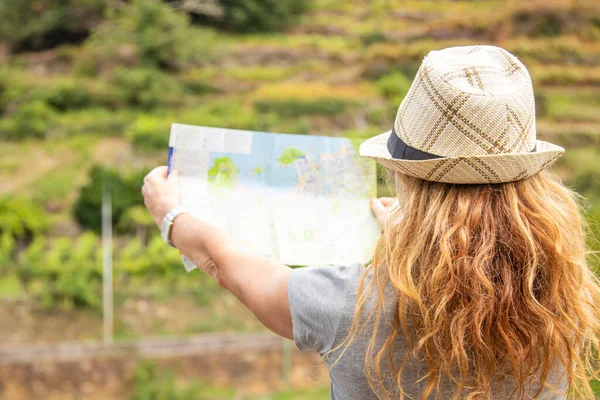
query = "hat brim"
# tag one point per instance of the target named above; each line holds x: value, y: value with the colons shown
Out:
x: 488, y: 168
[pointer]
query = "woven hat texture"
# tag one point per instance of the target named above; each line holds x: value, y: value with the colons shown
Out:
x: 469, y: 117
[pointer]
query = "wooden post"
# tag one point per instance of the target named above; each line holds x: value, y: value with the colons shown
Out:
x: 107, y: 267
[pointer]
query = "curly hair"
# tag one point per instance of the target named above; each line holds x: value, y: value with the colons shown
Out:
x: 492, y: 283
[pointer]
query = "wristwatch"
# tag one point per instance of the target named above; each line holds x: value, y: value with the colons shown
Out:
x: 167, y: 224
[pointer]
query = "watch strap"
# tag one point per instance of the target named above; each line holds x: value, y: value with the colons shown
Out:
x: 167, y: 224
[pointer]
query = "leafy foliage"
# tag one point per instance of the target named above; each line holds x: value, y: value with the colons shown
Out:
x: 146, y: 33
x: 394, y: 86
x: 125, y: 193
x: 63, y: 272
x: 30, y: 120
x: 261, y: 15
x: 144, y: 87
x: 152, y: 383
x: 19, y: 217
x: 32, y: 24
x: 149, y: 132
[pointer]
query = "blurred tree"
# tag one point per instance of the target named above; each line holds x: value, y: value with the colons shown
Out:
x: 261, y: 15
x: 248, y: 15
x: 144, y: 87
x: 125, y: 191
x: 35, y: 25
x: 147, y: 33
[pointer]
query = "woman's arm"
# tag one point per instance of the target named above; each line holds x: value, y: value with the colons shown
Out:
x: 258, y: 282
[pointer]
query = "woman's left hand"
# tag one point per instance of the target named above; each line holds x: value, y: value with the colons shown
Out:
x: 161, y: 193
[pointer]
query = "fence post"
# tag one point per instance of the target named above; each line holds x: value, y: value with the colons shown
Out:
x: 107, y: 267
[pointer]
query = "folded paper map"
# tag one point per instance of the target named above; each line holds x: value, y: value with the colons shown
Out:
x: 301, y: 199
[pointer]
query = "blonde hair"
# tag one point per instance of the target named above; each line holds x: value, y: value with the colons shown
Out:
x: 491, y: 282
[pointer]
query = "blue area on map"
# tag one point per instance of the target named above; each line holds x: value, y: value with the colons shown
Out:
x: 268, y: 147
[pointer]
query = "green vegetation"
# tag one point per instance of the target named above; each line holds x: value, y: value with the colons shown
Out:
x: 148, y: 34
x: 88, y: 91
x: 152, y: 382
x: 261, y: 15
x: 30, y: 24
x: 125, y: 193
x: 20, y: 218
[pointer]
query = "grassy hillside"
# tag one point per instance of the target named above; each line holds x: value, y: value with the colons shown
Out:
x: 103, y: 99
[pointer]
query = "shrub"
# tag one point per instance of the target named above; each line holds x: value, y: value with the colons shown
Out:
x: 253, y: 15
x: 145, y: 88
x: 30, y: 120
x: 65, y: 94
x: 34, y: 25
x: 151, y: 384
x: 147, y: 33
x: 394, y: 86
x: 125, y: 193
x: 149, y: 132
x: 63, y: 272
x: 19, y: 217
x: 157, y: 260
x: 197, y: 81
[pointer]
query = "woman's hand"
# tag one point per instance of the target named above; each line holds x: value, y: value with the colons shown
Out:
x: 381, y: 207
x: 161, y: 194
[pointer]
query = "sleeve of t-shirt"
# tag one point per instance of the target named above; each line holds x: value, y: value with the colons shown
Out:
x: 317, y: 296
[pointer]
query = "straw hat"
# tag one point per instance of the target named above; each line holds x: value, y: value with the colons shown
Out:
x: 469, y: 117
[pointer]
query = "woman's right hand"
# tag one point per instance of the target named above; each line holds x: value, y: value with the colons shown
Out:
x: 380, y: 207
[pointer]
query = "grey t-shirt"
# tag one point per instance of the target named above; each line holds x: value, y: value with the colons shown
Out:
x: 322, y: 303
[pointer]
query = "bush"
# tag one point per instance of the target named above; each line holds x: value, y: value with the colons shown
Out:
x: 394, y: 85
x: 145, y: 88
x: 125, y: 193
x: 63, y: 272
x: 197, y: 81
x: 34, y: 25
x: 21, y: 219
x: 149, y: 132
x: 157, y: 260
x: 147, y: 33
x: 65, y: 94
x: 30, y: 120
x: 261, y: 15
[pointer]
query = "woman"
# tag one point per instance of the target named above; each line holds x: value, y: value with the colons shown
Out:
x: 479, y: 286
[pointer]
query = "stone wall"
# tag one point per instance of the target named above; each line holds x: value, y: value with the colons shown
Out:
x: 249, y: 363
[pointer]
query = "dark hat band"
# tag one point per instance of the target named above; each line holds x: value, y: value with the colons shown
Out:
x: 401, y: 151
